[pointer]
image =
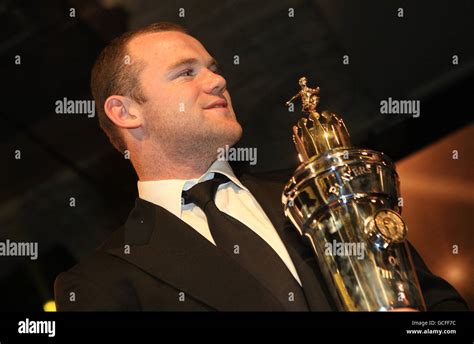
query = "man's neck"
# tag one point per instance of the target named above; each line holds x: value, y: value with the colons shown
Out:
x: 161, y: 168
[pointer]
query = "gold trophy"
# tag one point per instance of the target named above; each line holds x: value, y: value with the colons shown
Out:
x: 345, y: 200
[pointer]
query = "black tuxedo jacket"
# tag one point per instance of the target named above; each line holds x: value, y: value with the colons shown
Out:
x: 156, y: 262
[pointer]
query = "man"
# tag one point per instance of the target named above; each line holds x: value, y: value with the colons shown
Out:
x: 160, y: 97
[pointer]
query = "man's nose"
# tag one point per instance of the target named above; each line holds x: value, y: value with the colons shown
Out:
x: 215, y: 84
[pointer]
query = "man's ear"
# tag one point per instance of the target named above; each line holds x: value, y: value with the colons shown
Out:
x: 123, y: 112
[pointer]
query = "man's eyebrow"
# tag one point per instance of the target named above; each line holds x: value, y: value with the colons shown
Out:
x: 191, y: 61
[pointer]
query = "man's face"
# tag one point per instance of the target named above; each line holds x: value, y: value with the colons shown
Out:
x: 188, y: 106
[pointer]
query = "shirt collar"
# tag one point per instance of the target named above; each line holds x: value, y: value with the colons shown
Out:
x: 224, y: 168
x: 167, y: 193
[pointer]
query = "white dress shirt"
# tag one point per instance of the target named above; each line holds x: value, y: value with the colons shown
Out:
x: 232, y: 198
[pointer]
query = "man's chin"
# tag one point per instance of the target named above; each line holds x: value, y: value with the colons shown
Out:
x: 226, y: 136
x: 234, y: 133
x: 227, y: 126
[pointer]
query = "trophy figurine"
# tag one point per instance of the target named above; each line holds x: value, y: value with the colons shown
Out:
x: 345, y: 202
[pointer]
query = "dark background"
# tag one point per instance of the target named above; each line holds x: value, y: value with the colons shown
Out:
x: 63, y: 156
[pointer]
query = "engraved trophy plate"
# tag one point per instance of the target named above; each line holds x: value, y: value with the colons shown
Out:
x: 344, y: 201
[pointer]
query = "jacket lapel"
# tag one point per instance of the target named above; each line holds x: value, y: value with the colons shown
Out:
x: 268, y: 194
x: 172, y: 251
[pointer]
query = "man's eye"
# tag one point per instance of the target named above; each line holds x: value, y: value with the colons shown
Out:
x: 187, y: 72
